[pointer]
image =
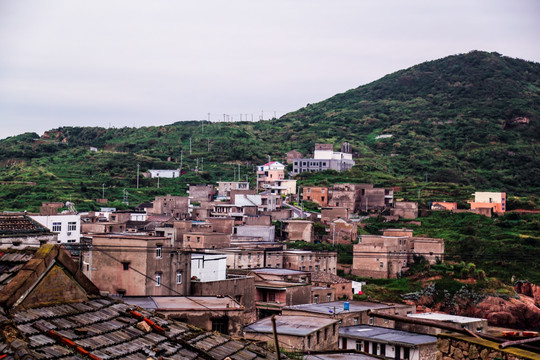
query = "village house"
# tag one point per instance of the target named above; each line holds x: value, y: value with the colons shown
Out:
x: 350, y: 313
x: 380, y: 256
x: 282, y: 187
x: 432, y: 249
x: 137, y: 265
x: 175, y: 206
x: 244, y: 258
x: 205, y: 240
x: 341, y: 287
x: 405, y: 209
x: 50, y: 292
x: 325, y: 158
x: 346, y: 195
x: 67, y: 226
x: 465, y: 322
x: 296, y: 333
x: 211, y: 313
x: 17, y: 230
x: 297, y: 230
x: 163, y: 173
x: 332, y: 213
x: 316, y: 194
x: 224, y: 188
x: 320, y: 294
x: 495, y: 201
x: 388, y: 343
x: 309, y: 260
x: 342, y: 231
x: 443, y: 206
x: 266, y: 233
x: 268, y: 173
x: 201, y: 193
x: 276, y: 288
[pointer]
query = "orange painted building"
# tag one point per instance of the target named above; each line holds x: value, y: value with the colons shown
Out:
x: 493, y: 200
x: 318, y: 195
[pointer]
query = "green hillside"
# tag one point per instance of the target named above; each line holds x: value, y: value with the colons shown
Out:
x: 458, y: 124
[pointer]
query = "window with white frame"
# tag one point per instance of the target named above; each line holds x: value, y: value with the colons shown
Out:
x: 72, y: 226
x: 56, y: 226
x: 178, y: 277
x: 159, y: 252
x: 158, y: 279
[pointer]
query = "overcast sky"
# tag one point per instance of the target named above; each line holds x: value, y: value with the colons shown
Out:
x: 138, y: 63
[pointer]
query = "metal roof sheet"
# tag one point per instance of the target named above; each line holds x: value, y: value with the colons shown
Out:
x: 386, y: 335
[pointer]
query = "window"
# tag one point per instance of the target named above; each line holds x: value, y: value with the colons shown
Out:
x: 72, y: 226
x: 316, y: 299
x: 159, y: 252
x: 310, y: 268
x: 359, y: 345
x: 158, y: 279
x: 272, y: 296
x: 371, y: 320
x: 220, y: 325
x: 269, y: 256
x: 198, y: 239
x: 56, y: 226
x: 310, y: 257
x: 328, y: 297
x: 316, y: 267
x: 355, y: 321
x: 178, y: 277
x: 381, y: 264
x: 309, y: 341
x: 302, y: 257
x: 125, y: 265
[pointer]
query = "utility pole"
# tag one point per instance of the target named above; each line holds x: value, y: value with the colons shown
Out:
x: 238, y: 172
x: 138, y: 166
x: 208, y: 144
x: 278, y: 356
x: 158, y: 182
x: 202, y: 164
x: 103, y: 192
x: 190, y: 145
x: 181, y: 158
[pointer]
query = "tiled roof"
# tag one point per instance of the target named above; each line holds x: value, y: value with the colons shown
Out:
x: 95, y: 327
x: 109, y: 329
x: 328, y: 278
x: 11, y: 224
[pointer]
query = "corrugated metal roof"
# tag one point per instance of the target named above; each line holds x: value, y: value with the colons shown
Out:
x: 290, y: 325
x: 337, y: 307
x: 386, y: 335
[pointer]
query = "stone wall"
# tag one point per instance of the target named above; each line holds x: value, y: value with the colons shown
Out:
x: 455, y: 346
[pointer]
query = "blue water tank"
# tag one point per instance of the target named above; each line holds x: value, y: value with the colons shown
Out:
x: 346, y: 305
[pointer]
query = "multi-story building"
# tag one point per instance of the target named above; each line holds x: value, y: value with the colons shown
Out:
x: 270, y: 172
x: 309, y: 260
x: 493, y: 200
x: 293, y: 230
x: 137, y: 265
x: 18, y: 231
x: 201, y: 193
x: 175, y: 206
x: 224, y: 187
x: 324, y: 158
x: 316, y: 194
x: 67, y: 226
x: 380, y: 256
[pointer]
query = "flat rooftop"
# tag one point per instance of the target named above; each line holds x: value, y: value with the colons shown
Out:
x: 183, y: 303
x: 290, y: 325
x: 337, y: 307
x: 386, y: 335
x: 279, y: 271
x: 340, y: 356
x: 446, y: 318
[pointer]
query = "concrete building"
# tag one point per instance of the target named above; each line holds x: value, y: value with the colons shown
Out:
x: 296, y: 333
x: 430, y: 248
x: 342, y: 231
x: 331, y: 213
x: 66, y: 226
x: 496, y: 201
x: 342, y: 287
x: 309, y: 260
x: 244, y: 258
x: 350, y: 313
x: 137, y: 265
x: 224, y: 188
x: 201, y: 193
x: 465, y: 322
x: 211, y: 313
x: 388, y: 343
x: 325, y: 158
x: 380, y: 256
x: 18, y: 231
x: 265, y: 233
x: 205, y: 240
x: 208, y: 267
x: 176, y: 206
x: 293, y: 230
x: 405, y: 209
x: 317, y: 194
x: 270, y: 172
x: 169, y: 174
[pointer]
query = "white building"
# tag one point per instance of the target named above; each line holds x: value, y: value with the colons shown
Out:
x: 208, y: 267
x: 271, y: 166
x: 68, y: 227
x: 171, y: 174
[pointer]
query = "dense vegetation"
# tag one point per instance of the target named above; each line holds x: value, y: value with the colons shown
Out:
x: 458, y: 124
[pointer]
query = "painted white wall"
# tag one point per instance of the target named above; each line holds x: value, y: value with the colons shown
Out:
x: 164, y: 173
x: 209, y: 267
x: 68, y: 227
